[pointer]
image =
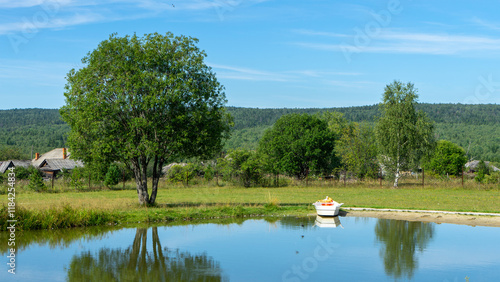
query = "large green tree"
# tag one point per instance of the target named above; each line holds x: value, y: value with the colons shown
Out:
x: 299, y: 144
x: 404, y: 135
x: 142, y: 100
x: 448, y: 158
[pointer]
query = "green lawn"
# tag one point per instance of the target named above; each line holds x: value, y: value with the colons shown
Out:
x: 410, y: 197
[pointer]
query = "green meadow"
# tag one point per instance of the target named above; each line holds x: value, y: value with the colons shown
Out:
x: 61, y: 207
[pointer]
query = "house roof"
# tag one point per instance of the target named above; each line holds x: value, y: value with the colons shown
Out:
x: 6, y: 164
x: 472, y: 165
x: 56, y: 154
x: 3, y: 166
x: 58, y: 164
x: 166, y: 168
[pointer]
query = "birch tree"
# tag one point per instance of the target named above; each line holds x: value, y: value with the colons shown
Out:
x: 404, y: 136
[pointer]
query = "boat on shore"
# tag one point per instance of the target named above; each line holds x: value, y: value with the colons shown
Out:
x: 327, y: 207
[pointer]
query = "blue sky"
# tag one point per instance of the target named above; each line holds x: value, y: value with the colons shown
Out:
x: 268, y: 54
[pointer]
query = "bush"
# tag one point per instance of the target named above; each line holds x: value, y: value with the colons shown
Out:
x: 22, y: 172
x: 113, y: 176
x: 36, y: 180
x: 482, y: 171
x: 77, y: 177
x: 492, y: 178
x: 448, y: 159
x: 184, y: 173
x: 242, y: 166
x: 209, y: 172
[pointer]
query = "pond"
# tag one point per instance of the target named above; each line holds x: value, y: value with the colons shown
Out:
x: 270, y: 249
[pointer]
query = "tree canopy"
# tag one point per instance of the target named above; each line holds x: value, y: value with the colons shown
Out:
x: 299, y: 144
x: 142, y: 100
x: 403, y: 135
x: 448, y: 158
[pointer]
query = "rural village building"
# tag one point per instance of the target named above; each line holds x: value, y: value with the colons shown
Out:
x: 55, y: 161
x: 13, y: 163
x: 50, y: 163
x: 472, y: 166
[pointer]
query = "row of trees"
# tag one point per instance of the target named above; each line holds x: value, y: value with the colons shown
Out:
x: 480, y: 141
x: 301, y: 145
x: 147, y: 101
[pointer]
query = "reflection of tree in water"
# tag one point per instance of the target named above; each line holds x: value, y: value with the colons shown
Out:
x: 137, y: 264
x: 400, y: 240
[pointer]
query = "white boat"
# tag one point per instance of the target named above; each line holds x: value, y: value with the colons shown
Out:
x: 327, y: 207
x: 328, y: 222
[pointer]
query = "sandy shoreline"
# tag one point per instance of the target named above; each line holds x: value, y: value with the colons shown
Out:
x: 472, y: 219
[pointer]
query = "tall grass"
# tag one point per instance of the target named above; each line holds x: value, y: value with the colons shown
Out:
x: 63, y: 217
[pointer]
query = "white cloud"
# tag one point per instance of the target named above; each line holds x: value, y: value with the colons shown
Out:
x: 353, y: 84
x: 30, y: 3
x: 319, y: 33
x: 319, y: 73
x: 57, y: 14
x: 37, y: 72
x: 241, y: 73
x: 489, y: 25
x: 412, y: 43
x: 30, y: 26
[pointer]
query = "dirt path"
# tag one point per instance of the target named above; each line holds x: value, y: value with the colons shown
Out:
x: 465, y: 218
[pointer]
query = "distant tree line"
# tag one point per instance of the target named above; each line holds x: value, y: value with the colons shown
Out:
x: 305, y: 145
x: 473, y: 127
x: 481, y: 114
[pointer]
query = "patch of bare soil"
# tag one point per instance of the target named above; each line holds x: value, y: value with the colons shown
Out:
x: 436, y: 217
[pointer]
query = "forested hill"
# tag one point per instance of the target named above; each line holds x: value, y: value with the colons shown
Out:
x: 440, y: 113
x: 23, y: 128
x: 474, y: 127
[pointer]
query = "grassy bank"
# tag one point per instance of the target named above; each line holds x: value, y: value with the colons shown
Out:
x: 55, y: 217
x: 66, y: 216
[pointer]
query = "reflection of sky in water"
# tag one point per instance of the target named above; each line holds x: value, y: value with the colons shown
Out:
x: 458, y: 251
x: 256, y: 250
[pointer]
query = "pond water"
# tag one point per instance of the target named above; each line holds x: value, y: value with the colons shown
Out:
x: 271, y: 249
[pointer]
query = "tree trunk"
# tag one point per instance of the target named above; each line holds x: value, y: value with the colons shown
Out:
x: 397, y: 175
x: 139, y: 165
x: 462, y: 176
x: 157, y: 166
x: 423, y: 177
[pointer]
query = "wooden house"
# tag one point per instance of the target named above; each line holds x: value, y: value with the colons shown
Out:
x: 55, y: 161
